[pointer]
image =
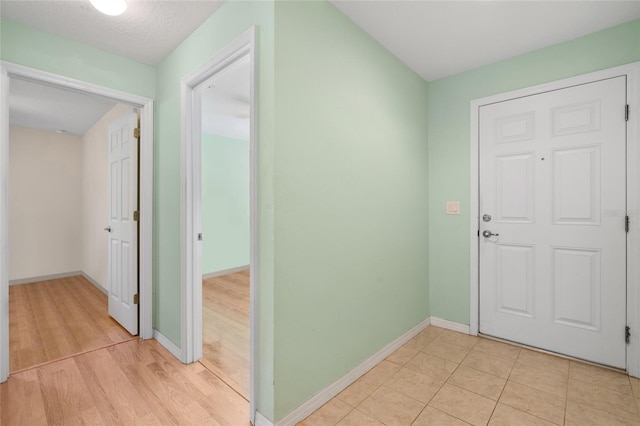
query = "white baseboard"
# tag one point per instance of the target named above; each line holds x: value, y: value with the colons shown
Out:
x: 450, y: 325
x: 168, y: 344
x: 95, y: 283
x: 262, y: 420
x: 225, y: 272
x: 44, y: 278
x: 322, y: 397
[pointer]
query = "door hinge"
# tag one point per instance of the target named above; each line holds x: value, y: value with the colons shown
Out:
x: 136, y: 215
x: 200, y: 237
x: 136, y: 133
x: 626, y: 112
x: 626, y: 223
x: 136, y: 299
x: 627, y: 334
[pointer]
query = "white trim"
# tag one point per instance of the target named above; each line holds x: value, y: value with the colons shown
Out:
x: 450, y: 325
x: 4, y: 224
x: 9, y: 70
x: 191, y: 264
x: 145, y: 244
x: 225, y: 272
x: 167, y: 344
x: 633, y: 194
x: 261, y: 420
x: 319, y: 399
x: 30, y: 280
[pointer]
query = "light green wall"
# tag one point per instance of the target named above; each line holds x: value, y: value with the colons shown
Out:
x: 350, y: 199
x: 36, y: 49
x: 227, y: 23
x: 448, y: 119
x: 225, y: 203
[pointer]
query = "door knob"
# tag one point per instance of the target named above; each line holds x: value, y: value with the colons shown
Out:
x: 486, y: 233
x: 108, y: 229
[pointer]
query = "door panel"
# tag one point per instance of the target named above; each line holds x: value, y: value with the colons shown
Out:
x: 123, y: 234
x: 553, y: 178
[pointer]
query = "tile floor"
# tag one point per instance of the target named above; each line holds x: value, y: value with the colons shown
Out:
x: 441, y: 378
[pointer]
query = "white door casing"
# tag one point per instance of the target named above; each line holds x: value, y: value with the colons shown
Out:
x: 191, y: 277
x: 123, y: 228
x: 553, y: 179
x: 9, y: 71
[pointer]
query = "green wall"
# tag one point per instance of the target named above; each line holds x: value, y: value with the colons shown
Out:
x: 36, y: 49
x: 226, y: 24
x: 448, y: 118
x: 225, y: 203
x: 350, y: 197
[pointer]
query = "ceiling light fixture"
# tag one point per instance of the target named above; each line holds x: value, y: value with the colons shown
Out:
x: 110, y: 7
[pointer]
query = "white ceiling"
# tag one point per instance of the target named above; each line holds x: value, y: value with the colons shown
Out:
x: 47, y: 108
x: 147, y: 32
x: 434, y: 38
x: 442, y: 38
x: 225, y: 102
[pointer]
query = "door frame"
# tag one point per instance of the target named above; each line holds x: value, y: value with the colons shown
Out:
x: 191, y: 224
x: 10, y: 70
x: 632, y: 72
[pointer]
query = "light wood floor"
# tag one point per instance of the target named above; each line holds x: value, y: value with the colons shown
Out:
x: 225, y: 324
x: 58, y: 318
x: 135, y: 382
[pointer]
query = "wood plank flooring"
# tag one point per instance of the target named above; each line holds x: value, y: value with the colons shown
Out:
x: 225, y: 324
x: 135, y: 382
x: 58, y: 318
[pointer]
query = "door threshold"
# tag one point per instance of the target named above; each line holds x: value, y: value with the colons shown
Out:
x: 559, y: 355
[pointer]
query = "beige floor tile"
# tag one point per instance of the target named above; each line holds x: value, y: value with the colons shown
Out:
x: 358, y: 418
x: 533, y: 401
x: 478, y: 382
x: 431, y: 366
x: 621, y: 404
x: 415, y: 385
x: 381, y: 372
x: 600, y: 377
x: 504, y: 415
x: 447, y: 351
x: 497, y: 348
x: 402, y: 355
x: 357, y: 392
x: 544, y: 361
x: 432, y: 331
x: 543, y: 380
x: 459, y: 339
x: 585, y: 415
x: 423, y: 338
x: 432, y: 417
x: 328, y: 415
x: 462, y: 404
x: 391, y: 408
x: 488, y: 363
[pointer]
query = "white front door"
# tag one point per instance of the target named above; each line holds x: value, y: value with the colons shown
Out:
x: 553, y: 181
x: 123, y: 229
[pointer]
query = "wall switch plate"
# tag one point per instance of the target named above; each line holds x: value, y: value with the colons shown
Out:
x: 453, y: 207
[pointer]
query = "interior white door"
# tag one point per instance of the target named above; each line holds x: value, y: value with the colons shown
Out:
x: 123, y: 229
x: 553, y: 181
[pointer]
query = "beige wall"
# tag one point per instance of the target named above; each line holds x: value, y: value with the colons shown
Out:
x: 44, y: 203
x: 95, y: 196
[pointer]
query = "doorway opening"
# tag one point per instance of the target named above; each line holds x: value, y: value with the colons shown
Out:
x: 55, y: 207
x: 219, y: 216
x: 225, y: 121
